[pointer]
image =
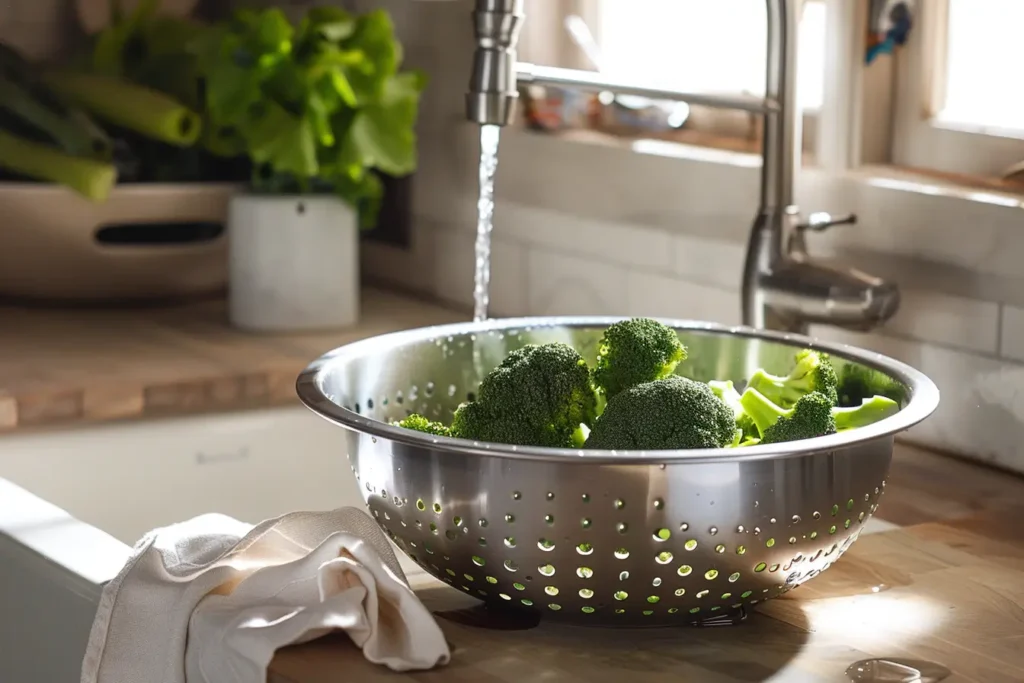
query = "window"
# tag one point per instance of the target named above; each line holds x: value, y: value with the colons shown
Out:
x: 693, y: 45
x: 959, y: 104
x: 949, y: 101
x: 704, y: 46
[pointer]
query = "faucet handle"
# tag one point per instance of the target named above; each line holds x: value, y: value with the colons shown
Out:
x: 821, y: 221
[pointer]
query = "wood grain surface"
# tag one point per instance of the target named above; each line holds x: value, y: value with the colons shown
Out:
x: 942, y: 581
x: 62, y: 367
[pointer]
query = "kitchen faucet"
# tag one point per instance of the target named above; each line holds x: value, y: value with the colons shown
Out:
x: 783, y: 287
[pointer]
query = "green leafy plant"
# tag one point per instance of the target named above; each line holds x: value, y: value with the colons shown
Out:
x: 318, y: 107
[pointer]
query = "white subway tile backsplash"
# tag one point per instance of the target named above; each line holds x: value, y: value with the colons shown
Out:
x: 709, y: 261
x: 947, y: 320
x: 628, y: 245
x: 1012, y: 333
x: 657, y: 296
x: 981, y: 411
x: 559, y: 284
x: 455, y: 270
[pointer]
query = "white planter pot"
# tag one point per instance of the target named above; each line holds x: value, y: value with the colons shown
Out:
x: 293, y: 263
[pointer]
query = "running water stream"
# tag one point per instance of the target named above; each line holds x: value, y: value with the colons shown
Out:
x: 489, y: 136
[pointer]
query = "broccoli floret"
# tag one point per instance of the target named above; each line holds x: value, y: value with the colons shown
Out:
x: 809, y: 417
x: 871, y: 410
x: 813, y: 372
x: 635, y: 351
x: 419, y: 423
x: 666, y: 414
x: 859, y: 382
x: 538, y: 396
x: 727, y: 393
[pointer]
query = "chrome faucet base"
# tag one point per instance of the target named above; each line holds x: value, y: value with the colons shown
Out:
x: 783, y: 287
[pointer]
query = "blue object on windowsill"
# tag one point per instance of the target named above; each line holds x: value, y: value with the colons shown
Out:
x: 899, y: 23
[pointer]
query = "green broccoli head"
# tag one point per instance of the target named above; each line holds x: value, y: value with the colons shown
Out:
x: 859, y: 382
x: 813, y: 372
x: 635, y: 351
x: 538, y: 396
x: 725, y: 391
x: 419, y: 423
x: 870, y: 410
x: 666, y: 414
x: 809, y: 417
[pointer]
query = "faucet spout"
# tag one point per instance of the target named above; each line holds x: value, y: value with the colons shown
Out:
x: 493, y: 90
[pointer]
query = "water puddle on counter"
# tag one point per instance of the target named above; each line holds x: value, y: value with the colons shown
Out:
x: 896, y: 670
x: 489, y: 137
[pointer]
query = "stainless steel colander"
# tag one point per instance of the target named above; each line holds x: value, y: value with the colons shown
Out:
x: 602, y: 537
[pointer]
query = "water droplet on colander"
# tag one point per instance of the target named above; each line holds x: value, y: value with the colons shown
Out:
x: 757, y: 530
x: 740, y: 529
x: 619, y: 504
x: 656, y: 582
x: 585, y: 522
x: 661, y: 466
x: 373, y: 439
x: 549, y: 519
x: 684, y: 526
x: 622, y: 527
x: 452, y: 389
x: 773, y: 520
x: 586, y: 498
x: 510, y: 518
x: 796, y: 519
x: 816, y: 515
x: 757, y: 503
x: 713, y: 530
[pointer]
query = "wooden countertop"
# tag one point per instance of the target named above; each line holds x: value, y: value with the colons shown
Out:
x: 941, y: 581
x: 67, y: 366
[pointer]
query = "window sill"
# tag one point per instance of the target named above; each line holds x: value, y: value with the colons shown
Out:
x: 700, y: 146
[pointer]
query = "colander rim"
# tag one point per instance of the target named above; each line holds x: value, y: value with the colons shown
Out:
x: 923, y: 392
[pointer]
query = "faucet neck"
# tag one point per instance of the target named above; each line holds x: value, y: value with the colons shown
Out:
x: 782, y: 130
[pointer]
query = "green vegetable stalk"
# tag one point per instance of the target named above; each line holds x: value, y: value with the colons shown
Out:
x: 90, y: 178
x: 131, y: 106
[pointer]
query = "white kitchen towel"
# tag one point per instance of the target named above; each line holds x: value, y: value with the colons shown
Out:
x: 210, y: 600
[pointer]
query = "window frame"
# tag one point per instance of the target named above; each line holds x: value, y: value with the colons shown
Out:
x: 920, y: 141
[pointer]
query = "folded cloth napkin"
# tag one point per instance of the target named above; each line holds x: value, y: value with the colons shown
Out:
x: 210, y: 600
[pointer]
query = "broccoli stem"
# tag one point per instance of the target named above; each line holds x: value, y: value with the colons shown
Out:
x: 725, y: 390
x: 761, y: 410
x: 580, y: 436
x: 871, y: 410
x: 786, y: 390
